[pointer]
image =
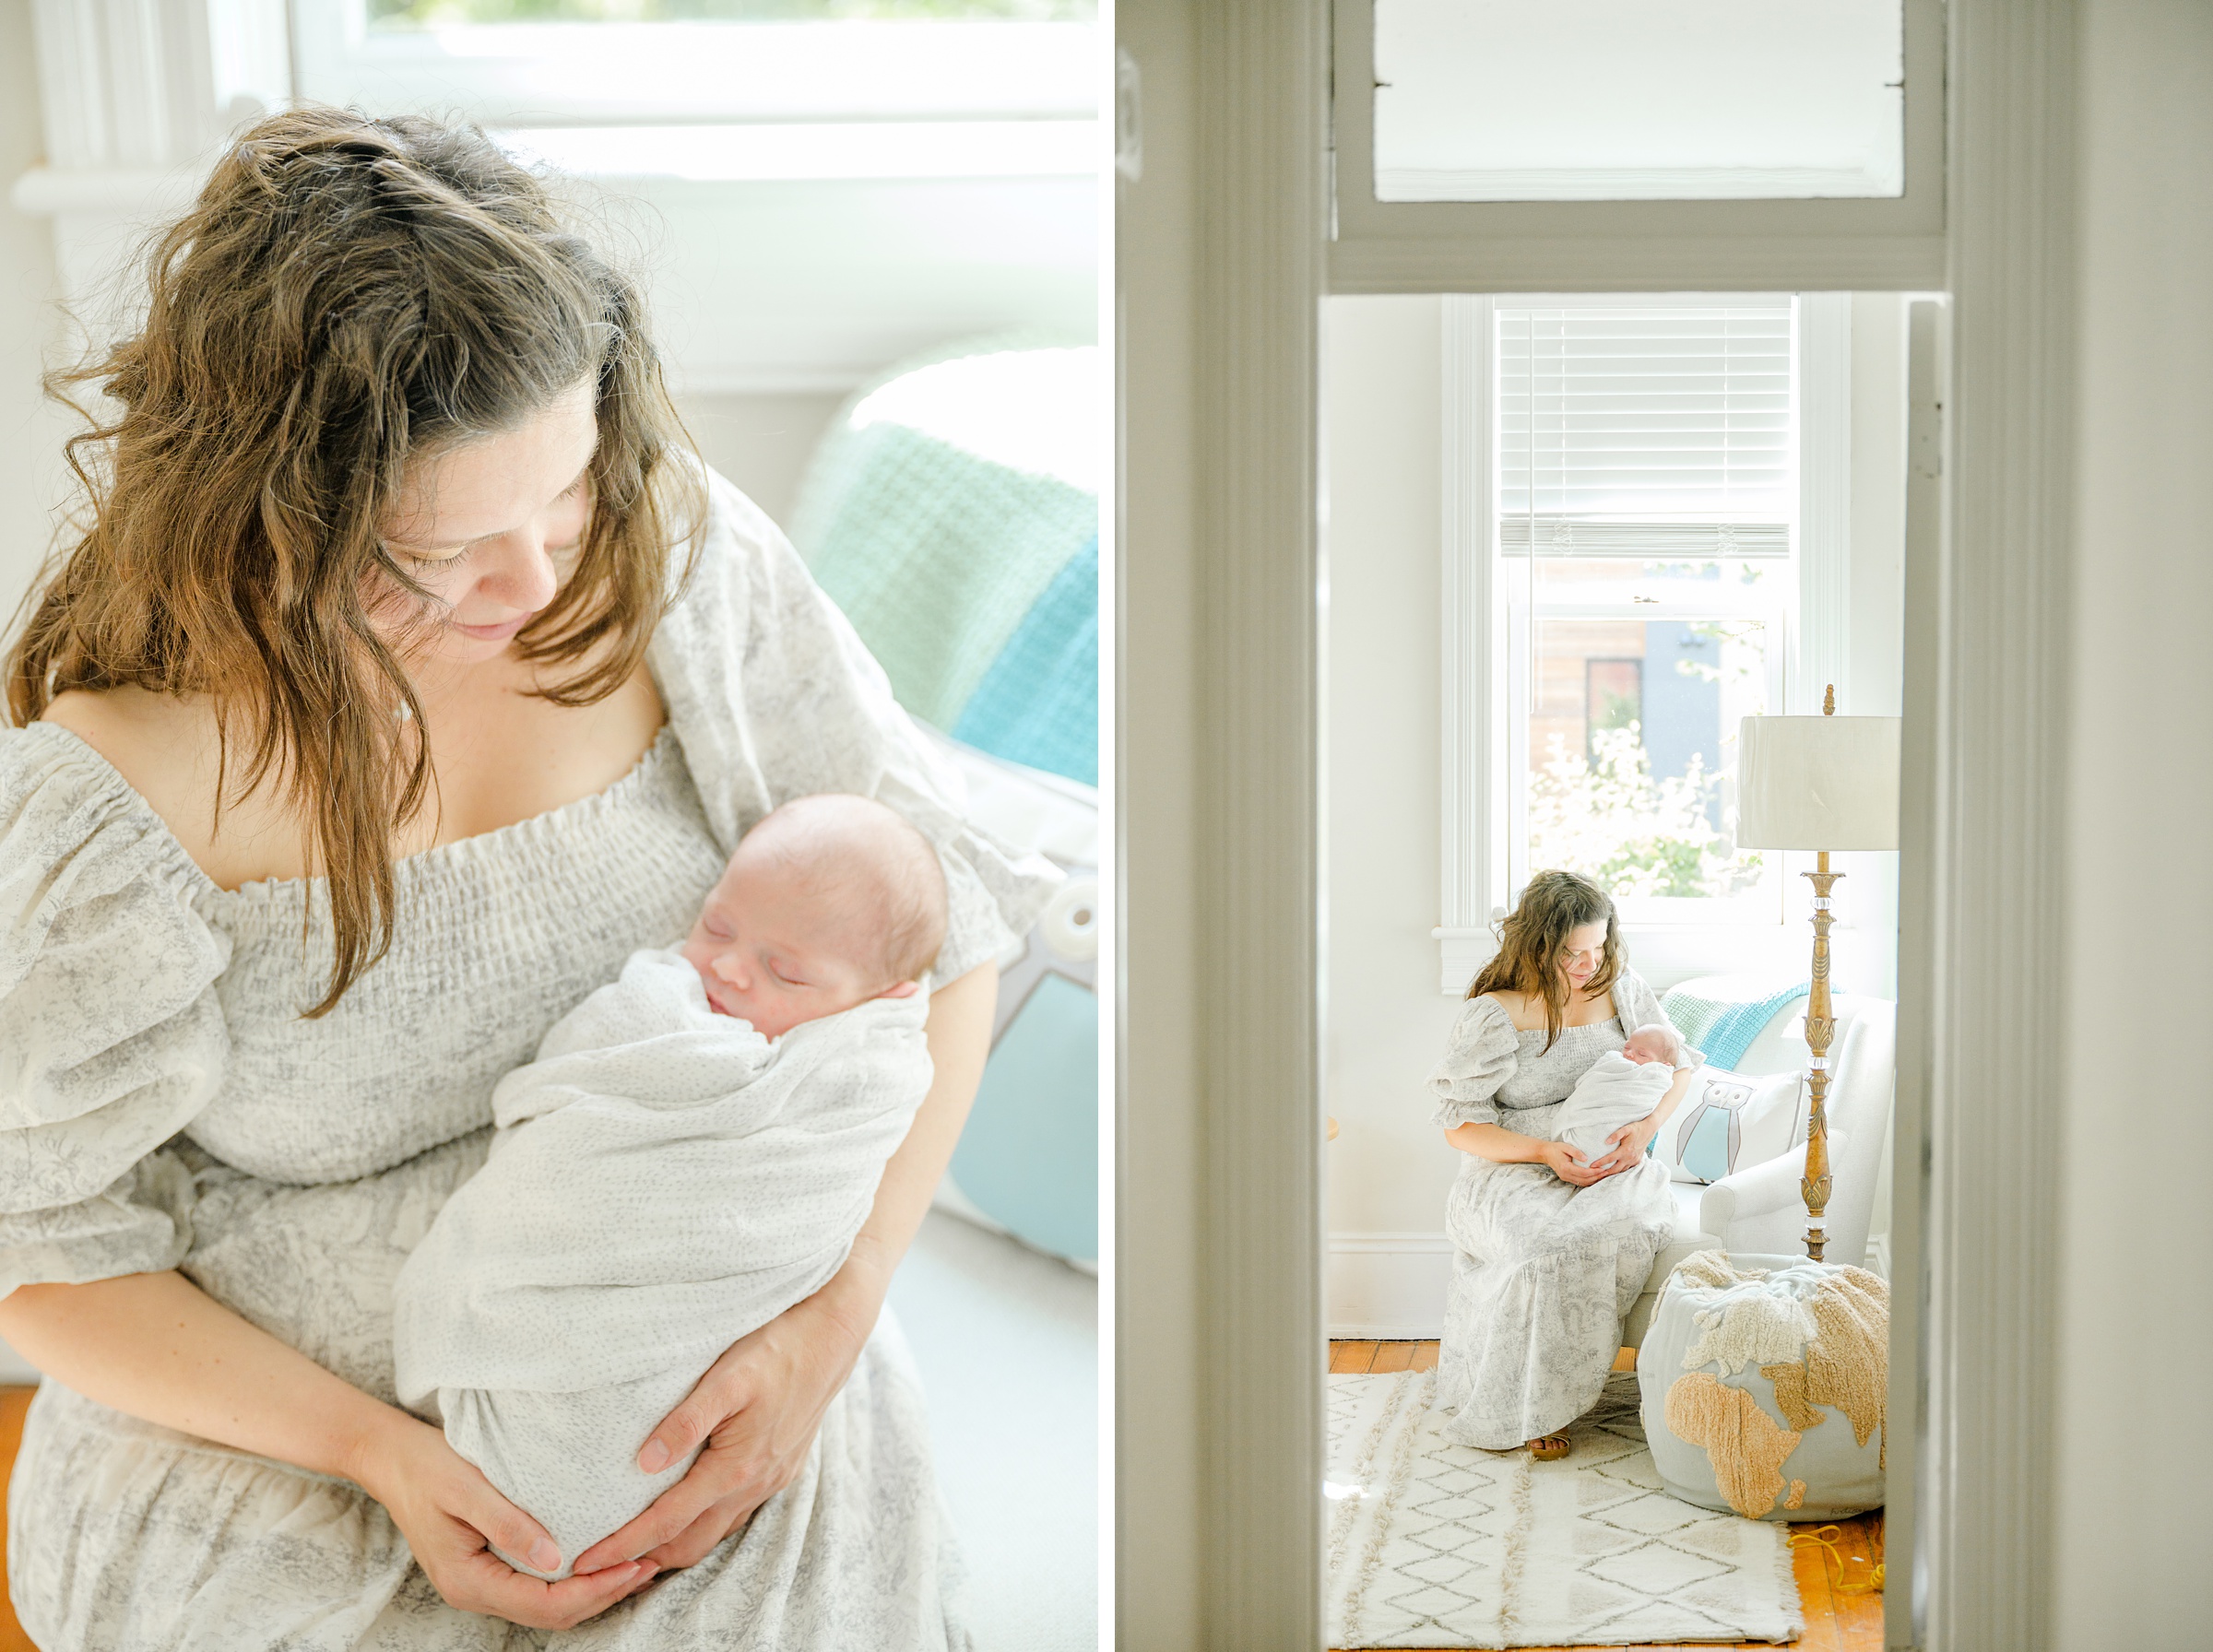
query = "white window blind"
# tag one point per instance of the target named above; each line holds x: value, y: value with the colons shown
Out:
x: 1645, y: 430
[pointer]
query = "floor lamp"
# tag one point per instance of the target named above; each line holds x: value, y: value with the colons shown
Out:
x: 1818, y: 783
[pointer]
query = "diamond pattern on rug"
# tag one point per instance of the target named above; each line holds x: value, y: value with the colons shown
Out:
x: 1432, y: 1544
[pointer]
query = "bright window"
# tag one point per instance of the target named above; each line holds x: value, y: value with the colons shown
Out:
x: 1644, y: 501
x: 1638, y: 517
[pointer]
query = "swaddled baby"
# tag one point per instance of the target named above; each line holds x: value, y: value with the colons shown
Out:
x: 1621, y: 1086
x: 693, y: 1151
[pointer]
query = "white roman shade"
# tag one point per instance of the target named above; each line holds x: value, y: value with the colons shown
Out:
x: 1647, y: 430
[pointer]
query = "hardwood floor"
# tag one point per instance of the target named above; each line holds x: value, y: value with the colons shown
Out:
x: 14, y: 1402
x: 1846, y: 1619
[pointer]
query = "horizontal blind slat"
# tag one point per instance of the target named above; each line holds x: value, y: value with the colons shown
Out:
x: 1631, y: 413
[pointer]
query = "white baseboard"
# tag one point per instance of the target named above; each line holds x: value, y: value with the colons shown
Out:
x: 1878, y: 1255
x: 1387, y: 1285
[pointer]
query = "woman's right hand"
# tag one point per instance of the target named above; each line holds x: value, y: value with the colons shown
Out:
x: 1568, y: 1164
x: 451, y: 1516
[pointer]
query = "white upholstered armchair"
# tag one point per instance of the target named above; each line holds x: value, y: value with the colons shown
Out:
x: 1761, y: 1210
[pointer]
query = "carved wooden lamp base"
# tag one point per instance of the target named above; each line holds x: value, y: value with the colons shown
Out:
x: 1823, y: 783
x: 1821, y: 1027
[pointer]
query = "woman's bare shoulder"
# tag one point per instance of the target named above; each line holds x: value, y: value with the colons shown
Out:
x: 152, y: 740
x: 1521, y: 1009
x: 165, y: 748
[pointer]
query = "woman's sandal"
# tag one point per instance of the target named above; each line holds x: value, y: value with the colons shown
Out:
x: 1550, y: 1448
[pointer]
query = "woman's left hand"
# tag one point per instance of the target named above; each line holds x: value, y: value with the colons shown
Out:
x: 757, y: 1409
x: 1624, y: 1148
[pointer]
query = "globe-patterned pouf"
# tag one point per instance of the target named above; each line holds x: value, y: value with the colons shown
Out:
x: 1763, y: 1382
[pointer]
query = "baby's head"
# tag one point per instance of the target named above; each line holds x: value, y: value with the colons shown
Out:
x: 1657, y: 1041
x: 830, y: 901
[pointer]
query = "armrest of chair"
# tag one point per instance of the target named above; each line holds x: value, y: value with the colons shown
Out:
x: 1759, y: 1208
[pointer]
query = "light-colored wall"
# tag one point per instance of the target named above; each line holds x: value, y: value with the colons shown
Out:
x: 30, y: 430
x: 761, y: 442
x: 2135, y: 1222
x: 1386, y: 1021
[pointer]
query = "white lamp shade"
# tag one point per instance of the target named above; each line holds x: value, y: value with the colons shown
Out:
x: 1818, y: 783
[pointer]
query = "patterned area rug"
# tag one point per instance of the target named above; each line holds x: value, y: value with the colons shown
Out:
x: 1433, y: 1544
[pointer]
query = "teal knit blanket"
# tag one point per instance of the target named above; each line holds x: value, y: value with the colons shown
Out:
x: 950, y: 512
x: 1722, y: 1014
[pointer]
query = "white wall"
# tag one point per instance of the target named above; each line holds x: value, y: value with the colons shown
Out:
x: 761, y: 442
x: 1386, y: 1021
x: 2135, y: 1447
x: 30, y: 430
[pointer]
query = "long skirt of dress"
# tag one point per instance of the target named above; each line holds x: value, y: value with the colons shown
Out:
x: 124, y: 1537
x: 1543, y: 1275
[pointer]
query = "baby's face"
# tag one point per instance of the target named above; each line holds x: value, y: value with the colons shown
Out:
x: 767, y: 953
x: 1644, y: 1051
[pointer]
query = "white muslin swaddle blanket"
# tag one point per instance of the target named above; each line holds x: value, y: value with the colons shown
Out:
x: 664, y: 1181
x: 1615, y: 1092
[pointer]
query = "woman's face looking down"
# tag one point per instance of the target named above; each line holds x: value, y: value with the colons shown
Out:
x: 1583, y: 951
x: 490, y: 528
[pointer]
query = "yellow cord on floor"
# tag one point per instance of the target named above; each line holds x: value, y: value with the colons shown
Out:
x: 1830, y: 1539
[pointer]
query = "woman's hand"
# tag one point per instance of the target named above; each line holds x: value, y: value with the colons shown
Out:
x: 451, y: 1517
x: 1624, y: 1148
x: 757, y: 1408
x: 1568, y: 1164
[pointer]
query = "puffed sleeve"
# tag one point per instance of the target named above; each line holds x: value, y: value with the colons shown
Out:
x: 1482, y: 1056
x: 772, y: 696
x: 1639, y: 1006
x: 110, y: 1034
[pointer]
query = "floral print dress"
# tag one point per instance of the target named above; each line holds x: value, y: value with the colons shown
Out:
x: 162, y: 1104
x: 1543, y: 1271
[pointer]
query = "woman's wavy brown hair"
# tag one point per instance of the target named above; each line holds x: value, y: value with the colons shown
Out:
x: 348, y: 296
x: 1534, y: 936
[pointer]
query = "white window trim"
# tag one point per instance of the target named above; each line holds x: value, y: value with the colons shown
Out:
x: 1478, y: 754
x: 1597, y: 245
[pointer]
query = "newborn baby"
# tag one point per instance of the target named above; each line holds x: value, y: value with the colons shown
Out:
x: 692, y: 1152
x: 1621, y: 1086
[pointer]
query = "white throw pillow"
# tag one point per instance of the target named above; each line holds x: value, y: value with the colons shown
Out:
x: 1730, y: 1122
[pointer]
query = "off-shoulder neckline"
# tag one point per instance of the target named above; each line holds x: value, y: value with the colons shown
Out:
x: 421, y: 863
x: 1613, y: 997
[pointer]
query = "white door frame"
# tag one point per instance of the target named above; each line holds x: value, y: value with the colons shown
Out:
x: 1986, y: 718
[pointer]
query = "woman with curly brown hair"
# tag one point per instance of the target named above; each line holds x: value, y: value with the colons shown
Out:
x: 1552, y: 1248
x: 405, y: 676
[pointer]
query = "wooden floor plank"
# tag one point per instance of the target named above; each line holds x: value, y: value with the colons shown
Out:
x: 1350, y: 1359
x: 1424, y: 1356
x: 14, y: 1402
x: 1393, y: 1356
x: 1810, y: 1565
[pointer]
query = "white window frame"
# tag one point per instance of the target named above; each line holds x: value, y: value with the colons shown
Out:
x: 1518, y: 246
x: 1483, y: 716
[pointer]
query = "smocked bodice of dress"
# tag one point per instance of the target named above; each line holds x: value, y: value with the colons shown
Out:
x: 495, y: 938
x: 1496, y: 1073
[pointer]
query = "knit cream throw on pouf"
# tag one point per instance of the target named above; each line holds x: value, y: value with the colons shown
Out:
x: 1432, y: 1544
